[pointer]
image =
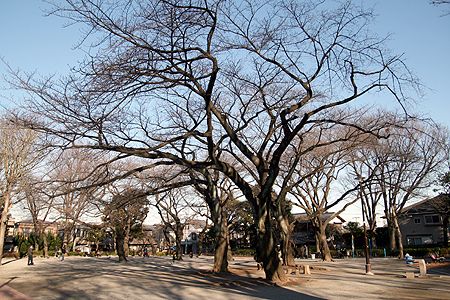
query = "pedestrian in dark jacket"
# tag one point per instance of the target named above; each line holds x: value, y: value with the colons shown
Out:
x: 30, y: 256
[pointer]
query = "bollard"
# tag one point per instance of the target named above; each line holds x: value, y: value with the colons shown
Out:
x: 306, y: 269
x: 422, y: 267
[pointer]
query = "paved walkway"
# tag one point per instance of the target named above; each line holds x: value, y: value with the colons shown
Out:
x: 158, y: 278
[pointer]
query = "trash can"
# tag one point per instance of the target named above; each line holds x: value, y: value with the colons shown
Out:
x: 313, y: 256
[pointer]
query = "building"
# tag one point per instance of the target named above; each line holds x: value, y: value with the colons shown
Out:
x: 26, y: 227
x: 303, y: 232
x: 191, y: 232
x: 422, y: 222
x: 144, y: 240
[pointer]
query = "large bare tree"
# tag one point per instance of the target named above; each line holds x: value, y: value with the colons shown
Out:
x: 175, y: 211
x: 37, y: 200
x: 404, y: 166
x: 76, y: 188
x: 225, y: 84
x: 19, y: 155
x: 320, y: 183
x: 127, y: 209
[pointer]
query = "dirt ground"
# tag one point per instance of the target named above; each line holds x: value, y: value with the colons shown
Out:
x: 157, y: 278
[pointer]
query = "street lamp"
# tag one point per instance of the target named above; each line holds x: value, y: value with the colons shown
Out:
x: 366, y: 244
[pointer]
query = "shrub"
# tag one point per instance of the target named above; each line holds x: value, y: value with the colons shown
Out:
x: 244, y: 252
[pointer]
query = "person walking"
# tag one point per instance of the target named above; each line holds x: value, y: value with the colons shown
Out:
x: 30, y: 256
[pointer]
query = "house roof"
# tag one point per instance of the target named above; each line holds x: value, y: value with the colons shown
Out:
x: 30, y: 221
x: 422, y: 205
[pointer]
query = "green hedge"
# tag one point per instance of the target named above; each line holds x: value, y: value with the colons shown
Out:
x: 425, y: 251
x: 244, y: 252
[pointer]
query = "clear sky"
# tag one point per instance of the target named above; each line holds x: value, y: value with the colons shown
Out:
x: 33, y: 42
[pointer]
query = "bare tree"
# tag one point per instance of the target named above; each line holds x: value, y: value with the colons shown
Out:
x: 441, y: 204
x: 217, y: 192
x: 175, y: 212
x: 315, y: 184
x: 73, y: 191
x: 126, y: 210
x: 406, y: 163
x: 230, y: 85
x: 39, y: 203
x: 19, y: 154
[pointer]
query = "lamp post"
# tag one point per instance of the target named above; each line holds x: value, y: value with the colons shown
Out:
x: 366, y: 244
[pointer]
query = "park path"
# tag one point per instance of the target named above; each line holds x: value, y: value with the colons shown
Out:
x: 157, y: 278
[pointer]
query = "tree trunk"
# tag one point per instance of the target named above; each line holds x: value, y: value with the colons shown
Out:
x: 398, y: 235
x: 391, y: 231
x: 323, y: 244
x: 4, y: 221
x: 126, y: 240
x: 287, y: 251
x: 266, y: 252
x: 445, y: 230
x: 37, y: 233
x: 316, y: 235
x: 74, y: 244
x: 44, y: 239
x: 229, y: 252
x: 178, y: 236
x: 221, y: 249
x: 120, y: 239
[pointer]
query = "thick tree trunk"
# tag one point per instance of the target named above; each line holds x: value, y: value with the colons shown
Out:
x: 398, y: 235
x: 266, y: 252
x: 316, y: 235
x: 179, y: 250
x: 287, y: 251
x: 120, y: 239
x: 126, y: 241
x: 37, y: 233
x: 229, y: 252
x: 391, y: 232
x: 4, y: 221
x: 323, y: 244
x: 221, y: 249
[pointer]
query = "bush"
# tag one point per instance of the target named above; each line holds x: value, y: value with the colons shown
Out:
x: 74, y: 253
x: 244, y: 252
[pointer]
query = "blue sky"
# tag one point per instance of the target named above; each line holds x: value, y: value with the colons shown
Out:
x: 33, y: 42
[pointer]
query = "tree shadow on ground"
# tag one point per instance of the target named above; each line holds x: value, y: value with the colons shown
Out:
x: 153, y: 278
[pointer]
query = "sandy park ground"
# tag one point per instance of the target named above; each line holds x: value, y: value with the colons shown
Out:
x: 157, y: 278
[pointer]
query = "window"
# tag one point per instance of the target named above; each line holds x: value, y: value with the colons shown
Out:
x: 419, y: 240
x: 416, y: 220
x: 432, y: 219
